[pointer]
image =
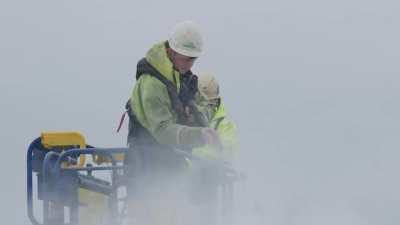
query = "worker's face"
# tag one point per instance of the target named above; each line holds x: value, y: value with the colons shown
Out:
x: 182, y: 63
x: 214, y: 103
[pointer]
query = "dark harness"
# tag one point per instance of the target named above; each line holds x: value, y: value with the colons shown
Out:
x: 138, y: 136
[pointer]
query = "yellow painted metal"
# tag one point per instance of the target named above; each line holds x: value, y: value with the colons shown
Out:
x: 61, y: 139
x: 119, y: 157
x: 98, y: 159
x: 93, y: 207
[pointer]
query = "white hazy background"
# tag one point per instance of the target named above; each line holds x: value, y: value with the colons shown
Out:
x: 313, y: 86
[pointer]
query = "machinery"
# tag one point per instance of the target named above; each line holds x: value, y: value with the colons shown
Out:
x: 71, y: 182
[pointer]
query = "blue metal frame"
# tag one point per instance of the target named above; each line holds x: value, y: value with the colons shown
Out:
x: 108, y: 152
x: 56, y: 169
x: 29, y: 188
x: 45, y: 173
x: 48, y: 167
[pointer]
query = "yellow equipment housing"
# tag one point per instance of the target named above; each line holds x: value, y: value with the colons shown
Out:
x: 64, y: 139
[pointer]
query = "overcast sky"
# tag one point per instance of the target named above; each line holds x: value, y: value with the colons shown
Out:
x: 313, y: 86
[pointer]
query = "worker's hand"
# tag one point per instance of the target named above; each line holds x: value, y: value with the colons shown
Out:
x: 191, y: 120
x: 211, y: 137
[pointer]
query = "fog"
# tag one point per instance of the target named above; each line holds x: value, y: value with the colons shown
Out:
x: 312, y: 85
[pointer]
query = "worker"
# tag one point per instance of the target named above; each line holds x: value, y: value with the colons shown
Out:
x: 206, y: 178
x: 163, y: 117
x: 215, y: 111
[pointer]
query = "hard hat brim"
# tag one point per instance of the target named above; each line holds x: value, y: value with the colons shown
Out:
x: 185, y: 52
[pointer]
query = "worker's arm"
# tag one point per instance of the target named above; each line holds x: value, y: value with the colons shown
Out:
x: 152, y: 107
x: 228, y: 133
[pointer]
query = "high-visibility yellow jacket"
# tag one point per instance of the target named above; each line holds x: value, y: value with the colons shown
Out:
x: 227, y: 131
x: 152, y: 106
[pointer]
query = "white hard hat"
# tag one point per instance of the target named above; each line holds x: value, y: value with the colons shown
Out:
x: 186, y: 39
x: 208, y: 86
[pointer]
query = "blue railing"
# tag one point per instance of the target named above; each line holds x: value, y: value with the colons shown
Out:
x: 52, y: 170
x: 52, y: 166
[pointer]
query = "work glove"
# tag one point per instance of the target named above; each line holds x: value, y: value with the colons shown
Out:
x: 206, y: 152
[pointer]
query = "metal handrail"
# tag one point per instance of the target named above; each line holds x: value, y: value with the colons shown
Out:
x: 49, y: 167
x: 109, y: 153
x: 45, y: 167
x: 29, y: 186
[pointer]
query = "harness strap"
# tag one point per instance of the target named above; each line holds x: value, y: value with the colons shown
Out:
x: 218, y: 122
x: 144, y: 67
x: 121, y: 121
